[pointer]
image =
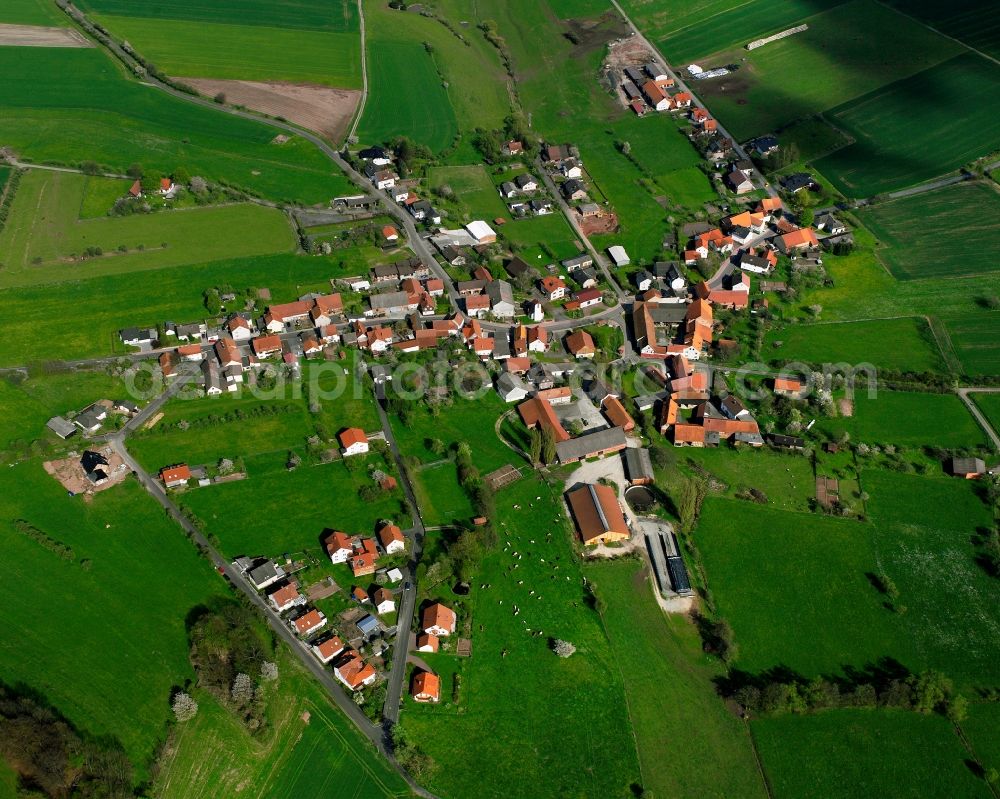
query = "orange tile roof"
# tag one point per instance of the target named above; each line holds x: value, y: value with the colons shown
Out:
x: 538, y: 412
x: 170, y: 474
x: 597, y: 513
x: 389, y: 533
x: 427, y: 639
x: 438, y: 615
x: 580, y: 342
x: 351, y: 436
x: 803, y: 237
x: 689, y: 433
x: 426, y: 686
x: 265, y: 344
x: 617, y: 414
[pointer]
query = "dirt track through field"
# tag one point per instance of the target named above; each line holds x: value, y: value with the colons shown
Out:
x: 319, y: 108
x: 39, y: 36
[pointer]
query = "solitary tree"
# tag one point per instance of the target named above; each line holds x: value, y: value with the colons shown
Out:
x: 184, y: 707
x: 268, y: 671
x: 563, y: 648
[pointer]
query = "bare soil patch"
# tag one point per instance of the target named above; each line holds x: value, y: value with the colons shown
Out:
x: 70, y: 474
x: 596, y: 225
x: 846, y: 407
x: 40, y: 36
x: 320, y: 108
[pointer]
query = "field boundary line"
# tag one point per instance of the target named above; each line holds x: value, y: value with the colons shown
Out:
x: 931, y: 28
x: 359, y: 112
x: 756, y: 757
x: 943, y: 341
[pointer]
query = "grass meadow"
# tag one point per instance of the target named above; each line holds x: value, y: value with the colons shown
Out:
x: 846, y: 53
x: 424, y: 112
x: 32, y: 12
x: 515, y: 689
x: 853, y: 753
x: 916, y: 128
x: 982, y: 728
x: 197, y: 48
x: 689, y: 743
x: 117, y: 122
x: 989, y: 404
x: 311, y: 751
x: 441, y: 498
x: 102, y: 635
x: 44, y: 233
x: 793, y: 586
x: 906, y: 418
x: 472, y: 188
x: 904, y: 344
x: 942, y: 234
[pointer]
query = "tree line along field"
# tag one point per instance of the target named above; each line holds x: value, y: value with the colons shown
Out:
x: 848, y: 51
x: 941, y: 234
x: 852, y: 753
x: 117, y: 122
x: 969, y: 21
x: 916, y: 129
x: 44, y: 235
x: 903, y: 344
x: 796, y: 590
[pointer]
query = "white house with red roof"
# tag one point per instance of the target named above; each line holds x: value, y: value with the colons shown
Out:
x: 327, y: 649
x: 353, y: 441
x: 309, y: 622
x: 438, y: 619
x: 353, y: 672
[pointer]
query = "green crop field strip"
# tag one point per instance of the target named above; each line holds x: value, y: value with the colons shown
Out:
x: 113, y: 675
x: 425, y: 114
x: 117, y: 122
x: 900, y: 140
x: 32, y: 12
x: 953, y: 231
x: 851, y: 754
x: 982, y: 728
x: 515, y: 690
x: 989, y: 404
x: 844, y: 54
x: 201, y: 49
x: 671, y: 698
x: 904, y: 344
x: 906, y: 419
x: 43, y: 232
x: 327, y: 15
x: 966, y: 20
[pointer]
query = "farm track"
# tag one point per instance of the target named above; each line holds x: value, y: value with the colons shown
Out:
x: 977, y: 414
x: 360, y: 110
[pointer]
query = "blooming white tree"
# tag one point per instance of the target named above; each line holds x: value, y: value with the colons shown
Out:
x: 268, y: 671
x: 563, y: 648
x: 242, y: 691
x: 184, y: 707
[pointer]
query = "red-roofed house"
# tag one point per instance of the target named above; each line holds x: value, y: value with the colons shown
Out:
x: 427, y: 643
x: 353, y: 672
x: 389, y: 233
x: 173, y: 476
x: 537, y: 412
x: 309, y: 622
x: 437, y: 619
x: 581, y: 344
x: 553, y: 287
x: 329, y: 649
x: 788, y: 387
x: 426, y: 686
x: 285, y: 598
x: 339, y: 547
x: 391, y: 538
x: 353, y: 441
x: 266, y: 346
x: 800, y: 239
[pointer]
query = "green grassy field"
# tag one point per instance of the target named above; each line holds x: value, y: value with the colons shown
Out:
x: 99, y: 307
x: 549, y: 236
x: 900, y: 142
x: 424, y: 113
x: 32, y: 12
x: 441, y: 498
x: 117, y: 122
x: 331, y: 15
x: 473, y: 190
x: 963, y: 19
x: 922, y: 532
x: 289, y: 512
x: 843, y: 754
x: 982, y: 728
x: 846, y: 53
x: 904, y: 344
x: 906, y: 419
x: 30, y: 403
x: 939, y: 235
x: 689, y: 743
x: 100, y: 195
x: 44, y: 232
x: 989, y: 404
x: 689, y: 31
x: 198, y: 48
x: 312, y: 751
x: 124, y: 595
x: 793, y: 587
x: 568, y: 716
